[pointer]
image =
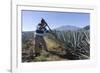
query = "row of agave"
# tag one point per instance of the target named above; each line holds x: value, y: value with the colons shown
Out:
x: 76, y: 43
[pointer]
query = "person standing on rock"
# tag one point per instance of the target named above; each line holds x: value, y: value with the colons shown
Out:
x: 39, y: 37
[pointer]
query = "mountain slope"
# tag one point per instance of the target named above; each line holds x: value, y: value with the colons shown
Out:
x: 86, y: 27
x: 67, y: 28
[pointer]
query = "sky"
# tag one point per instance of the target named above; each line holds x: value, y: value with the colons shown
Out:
x: 30, y: 19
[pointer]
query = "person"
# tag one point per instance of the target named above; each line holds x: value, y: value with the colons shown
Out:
x: 39, y: 37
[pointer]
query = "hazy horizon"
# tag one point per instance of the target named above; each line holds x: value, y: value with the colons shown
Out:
x: 52, y: 29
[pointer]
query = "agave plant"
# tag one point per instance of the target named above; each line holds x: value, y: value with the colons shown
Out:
x: 75, y: 42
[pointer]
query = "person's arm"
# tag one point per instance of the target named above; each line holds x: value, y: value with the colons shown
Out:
x: 46, y: 30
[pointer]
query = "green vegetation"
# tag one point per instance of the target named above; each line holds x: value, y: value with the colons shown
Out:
x: 62, y: 45
x: 76, y: 43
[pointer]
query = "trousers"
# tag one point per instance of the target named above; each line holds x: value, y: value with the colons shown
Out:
x: 40, y: 44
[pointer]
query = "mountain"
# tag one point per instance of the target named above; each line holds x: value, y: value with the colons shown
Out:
x: 68, y: 28
x: 86, y: 27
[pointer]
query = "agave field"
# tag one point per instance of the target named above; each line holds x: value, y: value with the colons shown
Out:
x: 62, y: 45
x: 76, y: 43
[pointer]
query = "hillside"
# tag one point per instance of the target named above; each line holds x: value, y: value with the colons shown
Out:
x: 55, y: 51
x: 26, y: 35
x: 67, y: 28
x: 86, y: 27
